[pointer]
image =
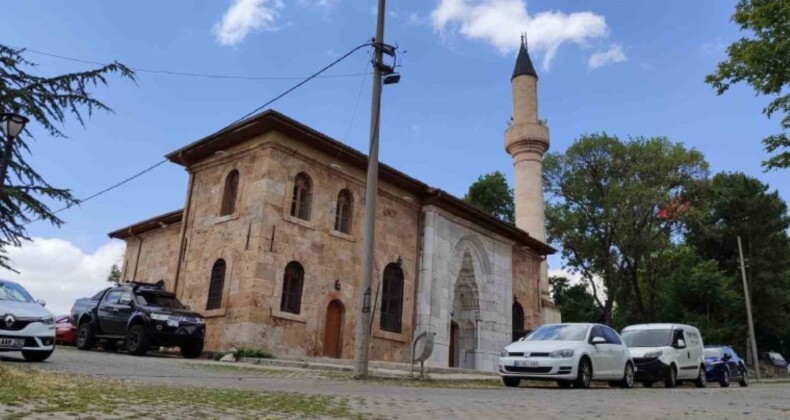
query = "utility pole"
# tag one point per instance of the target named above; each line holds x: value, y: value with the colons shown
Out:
x: 364, y: 317
x: 753, y: 339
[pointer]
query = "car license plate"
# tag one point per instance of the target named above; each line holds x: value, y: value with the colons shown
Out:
x: 526, y: 363
x: 12, y: 342
x: 172, y: 323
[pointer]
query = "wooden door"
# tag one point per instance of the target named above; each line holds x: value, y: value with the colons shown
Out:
x: 453, y: 344
x: 333, y: 330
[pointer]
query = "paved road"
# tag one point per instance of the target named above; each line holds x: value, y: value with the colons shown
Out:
x: 762, y: 401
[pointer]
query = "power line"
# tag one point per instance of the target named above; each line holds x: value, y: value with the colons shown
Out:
x: 191, y: 74
x: 309, y: 78
x: 106, y: 190
x: 152, y: 167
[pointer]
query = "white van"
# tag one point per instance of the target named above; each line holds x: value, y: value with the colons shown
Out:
x: 668, y: 353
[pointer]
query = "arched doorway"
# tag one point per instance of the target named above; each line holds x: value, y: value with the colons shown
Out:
x: 466, y: 311
x: 518, y: 321
x: 453, y: 344
x: 333, y: 329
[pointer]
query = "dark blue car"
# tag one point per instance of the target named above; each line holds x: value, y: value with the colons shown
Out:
x: 723, y: 365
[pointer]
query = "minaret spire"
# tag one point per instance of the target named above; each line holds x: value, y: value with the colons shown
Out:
x: 523, y: 62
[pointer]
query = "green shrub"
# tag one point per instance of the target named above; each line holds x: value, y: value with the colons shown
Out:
x: 256, y: 353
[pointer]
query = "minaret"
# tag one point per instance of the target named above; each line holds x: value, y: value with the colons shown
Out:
x: 526, y: 140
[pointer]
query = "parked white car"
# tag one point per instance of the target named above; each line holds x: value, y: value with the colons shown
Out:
x: 570, y: 354
x: 25, y: 325
x: 668, y: 353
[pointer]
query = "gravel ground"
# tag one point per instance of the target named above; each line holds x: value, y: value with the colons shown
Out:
x: 400, y: 400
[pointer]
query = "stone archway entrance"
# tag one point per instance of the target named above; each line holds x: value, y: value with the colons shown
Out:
x: 466, y: 311
x: 333, y: 329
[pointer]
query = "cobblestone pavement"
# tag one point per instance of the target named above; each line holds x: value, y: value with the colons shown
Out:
x: 762, y: 401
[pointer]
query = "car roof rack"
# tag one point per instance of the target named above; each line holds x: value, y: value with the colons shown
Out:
x: 144, y: 285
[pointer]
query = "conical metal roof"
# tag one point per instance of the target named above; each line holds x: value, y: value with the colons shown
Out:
x: 523, y: 62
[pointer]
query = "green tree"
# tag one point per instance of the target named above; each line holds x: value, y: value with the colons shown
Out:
x: 613, y: 206
x: 491, y: 193
x: 743, y: 206
x: 576, y: 303
x: 762, y: 60
x: 47, y: 101
x: 115, y: 274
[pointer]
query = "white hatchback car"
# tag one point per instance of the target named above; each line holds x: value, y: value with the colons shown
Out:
x: 25, y: 325
x: 570, y: 354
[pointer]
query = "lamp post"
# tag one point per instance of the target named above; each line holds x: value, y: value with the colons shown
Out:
x: 11, y: 125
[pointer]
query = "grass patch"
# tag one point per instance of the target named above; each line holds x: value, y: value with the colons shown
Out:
x: 28, y: 391
x: 250, y: 352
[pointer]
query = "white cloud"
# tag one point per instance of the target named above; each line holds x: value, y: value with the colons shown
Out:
x: 245, y: 16
x: 614, y: 54
x: 59, y: 272
x: 501, y: 23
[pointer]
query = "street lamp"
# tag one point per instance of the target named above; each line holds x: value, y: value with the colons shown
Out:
x: 12, y: 125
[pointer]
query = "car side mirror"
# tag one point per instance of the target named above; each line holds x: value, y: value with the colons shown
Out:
x: 598, y: 340
x: 125, y: 302
x: 41, y: 302
x: 681, y: 344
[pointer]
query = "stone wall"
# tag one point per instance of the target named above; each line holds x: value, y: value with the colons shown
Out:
x: 158, y: 250
x: 526, y: 285
x: 261, y: 238
x: 459, y: 257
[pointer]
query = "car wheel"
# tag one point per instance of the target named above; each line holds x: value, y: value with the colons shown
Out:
x: 511, y: 382
x: 724, y: 379
x: 628, y: 377
x: 671, y: 380
x: 744, y: 377
x: 584, y: 377
x: 194, y: 349
x: 36, y: 356
x: 702, y: 379
x: 137, y: 341
x: 86, y: 336
x: 564, y: 384
x: 647, y: 384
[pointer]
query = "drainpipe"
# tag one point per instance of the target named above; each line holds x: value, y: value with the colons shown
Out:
x: 417, y: 264
x: 184, y: 220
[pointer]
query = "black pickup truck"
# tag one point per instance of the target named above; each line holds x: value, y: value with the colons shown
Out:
x: 142, y: 315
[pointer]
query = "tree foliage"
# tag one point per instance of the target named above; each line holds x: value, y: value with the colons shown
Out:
x: 740, y: 205
x: 613, y: 206
x: 49, y: 102
x: 491, y: 194
x: 115, y: 274
x: 763, y: 61
x: 575, y: 301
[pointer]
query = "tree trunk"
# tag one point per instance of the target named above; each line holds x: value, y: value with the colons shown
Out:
x: 640, y: 304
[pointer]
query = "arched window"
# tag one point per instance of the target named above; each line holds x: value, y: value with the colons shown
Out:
x: 344, y: 211
x: 392, y: 299
x: 230, y: 193
x: 518, y: 321
x: 303, y: 194
x: 291, y: 300
x: 216, y: 286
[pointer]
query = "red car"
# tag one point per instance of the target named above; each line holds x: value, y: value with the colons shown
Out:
x: 65, y: 333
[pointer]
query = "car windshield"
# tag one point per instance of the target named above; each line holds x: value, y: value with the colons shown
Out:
x: 713, y: 353
x: 559, y: 333
x: 159, y: 299
x: 646, y: 338
x: 777, y: 357
x: 15, y: 292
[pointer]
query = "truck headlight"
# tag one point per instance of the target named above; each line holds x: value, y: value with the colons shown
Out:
x: 160, y: 317
x: 504, y: 353
x: 653, y: 354
x: 562, y: 354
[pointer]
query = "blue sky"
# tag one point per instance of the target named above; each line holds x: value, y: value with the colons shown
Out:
x: 442, y: 124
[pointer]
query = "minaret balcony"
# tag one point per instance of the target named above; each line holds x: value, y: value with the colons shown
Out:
x: 527, y: 136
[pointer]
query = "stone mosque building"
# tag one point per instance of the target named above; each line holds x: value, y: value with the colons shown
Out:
x: 268, y: 246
